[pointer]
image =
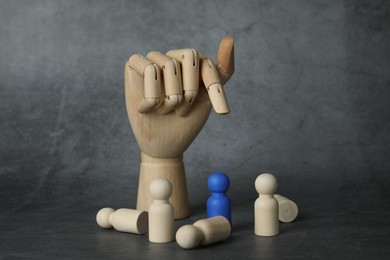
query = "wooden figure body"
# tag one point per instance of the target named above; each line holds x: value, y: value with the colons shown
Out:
x: 161, y: 216
x: 266, y: 206
x: 168, y: 105
x: 288, y: 210
x: 124, y: 220
x: 218, y: 203
x: 203, y: 232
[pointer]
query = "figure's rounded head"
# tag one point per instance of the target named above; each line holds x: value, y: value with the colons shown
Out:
x: 218, y: 182
x: 160, y: 189
x: 266, y: 183
x: 103, y: 217
x: 189, y: 236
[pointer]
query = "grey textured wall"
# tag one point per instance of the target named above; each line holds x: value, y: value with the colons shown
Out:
x: 309, y: 98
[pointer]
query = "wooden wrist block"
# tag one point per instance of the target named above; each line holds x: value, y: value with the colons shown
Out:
x: 171, y: 169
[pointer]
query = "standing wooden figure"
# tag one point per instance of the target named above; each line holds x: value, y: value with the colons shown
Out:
x: 161, y: 216
x: 168, y: 99
x: 266, y: 206
x: 218, y: 203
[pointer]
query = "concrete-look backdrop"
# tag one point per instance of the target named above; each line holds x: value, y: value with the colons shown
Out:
x: 309, y: 100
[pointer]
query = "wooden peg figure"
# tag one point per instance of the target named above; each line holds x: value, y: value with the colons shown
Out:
x: 203, y: 232
x: 124, y: 220
x: 161, y: 214
x: 168, y: 99
x: 288, y: 210
x: 218, y: 203
x: 266, y: 206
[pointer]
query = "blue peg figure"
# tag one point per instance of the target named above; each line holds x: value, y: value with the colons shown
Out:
x: 218, y: 203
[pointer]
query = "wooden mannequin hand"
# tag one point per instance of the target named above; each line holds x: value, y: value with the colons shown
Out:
x: 168, y: 99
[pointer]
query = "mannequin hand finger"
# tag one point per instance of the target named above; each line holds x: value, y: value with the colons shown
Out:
x: 172, y: 81
x: 152, y: 81
x: 212, y: 82
x: 225, y: 58
x: 189, y: 59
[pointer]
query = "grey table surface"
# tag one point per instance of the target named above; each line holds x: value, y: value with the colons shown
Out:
x: 335, y: 224
x: 309, y: 103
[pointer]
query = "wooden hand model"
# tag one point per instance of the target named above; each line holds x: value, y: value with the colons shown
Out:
x: 168, y: 99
